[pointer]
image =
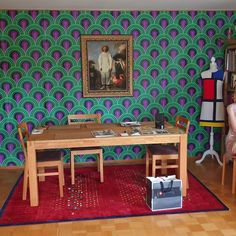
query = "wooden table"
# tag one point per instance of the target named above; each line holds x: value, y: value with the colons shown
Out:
x: 80, y: 136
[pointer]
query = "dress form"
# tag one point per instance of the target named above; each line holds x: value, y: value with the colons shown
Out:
x: 212, y: 113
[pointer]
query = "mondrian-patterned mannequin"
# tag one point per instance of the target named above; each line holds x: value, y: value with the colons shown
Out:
x: 212, y: 110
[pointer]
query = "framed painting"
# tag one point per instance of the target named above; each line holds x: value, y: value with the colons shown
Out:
x: 107, y: 65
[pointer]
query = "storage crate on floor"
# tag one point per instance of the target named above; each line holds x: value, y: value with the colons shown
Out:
x: 164, y: 193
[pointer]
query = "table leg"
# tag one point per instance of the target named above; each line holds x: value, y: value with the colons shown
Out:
x: 183, y: 163
x: 33, y: 183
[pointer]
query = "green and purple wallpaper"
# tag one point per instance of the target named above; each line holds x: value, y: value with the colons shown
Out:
x: 41, y: 77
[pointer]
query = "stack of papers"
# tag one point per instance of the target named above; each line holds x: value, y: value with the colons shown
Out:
x: 37, y: 131
x: 135, y: 131
x: 154, y: 131
x: 103, y: 133
x: 130, y: 123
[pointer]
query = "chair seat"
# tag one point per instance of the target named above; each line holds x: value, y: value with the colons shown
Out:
x: 48, y: 155
x: 160, y: 149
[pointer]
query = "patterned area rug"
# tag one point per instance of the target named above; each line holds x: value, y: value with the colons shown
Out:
x: 121, y: 195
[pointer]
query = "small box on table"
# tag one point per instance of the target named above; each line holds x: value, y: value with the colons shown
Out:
x: 164, y: 193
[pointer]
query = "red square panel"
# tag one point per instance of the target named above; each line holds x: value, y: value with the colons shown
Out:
x: 208, y: 89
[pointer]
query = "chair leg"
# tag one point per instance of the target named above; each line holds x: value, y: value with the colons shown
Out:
x: 60, y: 177
x: 63, y: 176
x: 234, y: 176
x: 164, y: 167
x: 98, y: 162
x: 223, y: 170
x: 187, y: 182
x: 147, y: 163
x: 101, y: 167
x: 72, y: 168
x: 25, y: 183
x: 41, y: 170
x: 153, y: 166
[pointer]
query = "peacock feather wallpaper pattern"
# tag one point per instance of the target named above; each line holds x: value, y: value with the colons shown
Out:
x: 41, y: 77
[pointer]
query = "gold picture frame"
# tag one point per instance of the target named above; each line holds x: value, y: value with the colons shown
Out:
x: 107, y: 65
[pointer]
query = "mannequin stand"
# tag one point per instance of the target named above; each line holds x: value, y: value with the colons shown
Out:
x: 210, y: 151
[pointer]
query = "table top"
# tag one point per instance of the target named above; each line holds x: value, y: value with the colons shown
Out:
x: 69, y: 136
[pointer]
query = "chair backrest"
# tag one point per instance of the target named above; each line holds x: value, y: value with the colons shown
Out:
x: 84, y: 119
x: 23, y: 136
x: 182, y: 123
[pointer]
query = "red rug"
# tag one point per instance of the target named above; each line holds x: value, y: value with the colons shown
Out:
x: 121, y: 195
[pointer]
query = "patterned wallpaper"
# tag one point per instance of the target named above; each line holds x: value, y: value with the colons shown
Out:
x: 41, y: 79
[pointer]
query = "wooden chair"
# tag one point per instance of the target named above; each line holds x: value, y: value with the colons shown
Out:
x: 45, y: 159
x: 86, y: 119
x: 165, y: 157
x: 226, y: 158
